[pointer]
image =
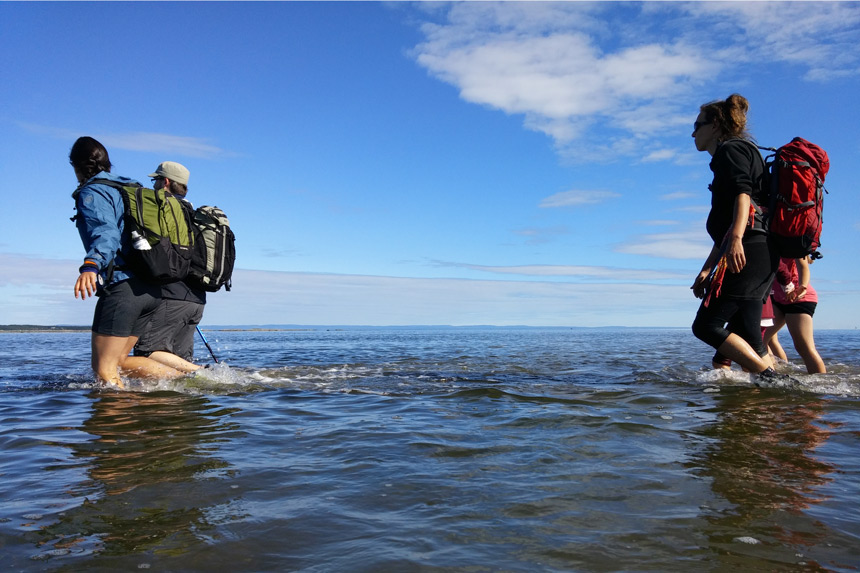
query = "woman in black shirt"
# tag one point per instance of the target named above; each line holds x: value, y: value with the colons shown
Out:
x: 729, y: 318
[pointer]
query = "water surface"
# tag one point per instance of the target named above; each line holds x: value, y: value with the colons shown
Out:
x: 430, y: 450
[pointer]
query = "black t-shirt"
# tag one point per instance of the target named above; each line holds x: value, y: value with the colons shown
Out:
x: 738, y: 168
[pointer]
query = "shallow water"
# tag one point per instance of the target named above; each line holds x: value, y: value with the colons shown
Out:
x: 430, y: 450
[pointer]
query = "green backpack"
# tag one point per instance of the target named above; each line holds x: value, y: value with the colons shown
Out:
x: 161, y: 232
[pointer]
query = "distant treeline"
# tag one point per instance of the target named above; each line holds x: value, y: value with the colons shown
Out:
x: 39, y: 328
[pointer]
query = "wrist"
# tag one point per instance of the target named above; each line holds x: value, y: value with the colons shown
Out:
x: 89, y: 267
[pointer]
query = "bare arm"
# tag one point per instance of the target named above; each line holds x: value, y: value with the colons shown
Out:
x: 699, y: 284
x: 735, y: 256
x: 803, y: 278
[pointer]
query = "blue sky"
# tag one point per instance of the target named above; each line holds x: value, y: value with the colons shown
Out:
x: 424, y: 163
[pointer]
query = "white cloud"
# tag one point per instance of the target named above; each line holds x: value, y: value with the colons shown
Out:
x: 546, y: 63
x: 262, y: 297
x: 40, y: 292
x: 578, y: 271
x: 570, y: 67
x: 660, y: 155
x: 820, y: 36
x: 678, y: 195
x: 272, y: 298
x: 574, y: 198
x: 659, y: 223
x: 682, y: 245
x: 163, y: 143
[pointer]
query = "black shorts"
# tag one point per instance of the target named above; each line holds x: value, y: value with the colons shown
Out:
x: 797, y: 307
x: 171, y: 329
x: 125, y: 307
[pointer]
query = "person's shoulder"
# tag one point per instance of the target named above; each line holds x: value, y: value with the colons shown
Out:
x: 738, y: 145
x: 95, y: 186
x: 100, y: 179
x: 737, y: 151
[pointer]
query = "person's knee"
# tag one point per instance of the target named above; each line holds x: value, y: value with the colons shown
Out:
x: 804, y: 348
x: 702, y: 330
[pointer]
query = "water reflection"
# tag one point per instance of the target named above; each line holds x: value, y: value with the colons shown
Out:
x: 763, y: 462
x: 147, y: 459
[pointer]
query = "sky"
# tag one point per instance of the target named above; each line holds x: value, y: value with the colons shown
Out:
x: 395, y: 163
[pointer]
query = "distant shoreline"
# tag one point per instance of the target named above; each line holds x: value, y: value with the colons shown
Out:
x: 24, y: 328
x: 18, y: 328
x: 65, y: 328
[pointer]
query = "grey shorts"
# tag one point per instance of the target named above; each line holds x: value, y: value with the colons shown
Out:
x: 171, y: 329
x: 125, y: 308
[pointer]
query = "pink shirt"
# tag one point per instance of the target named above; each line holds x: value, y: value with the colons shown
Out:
x: 787, y: 273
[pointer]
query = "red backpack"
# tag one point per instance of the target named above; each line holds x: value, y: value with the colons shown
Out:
x: 796, y: 172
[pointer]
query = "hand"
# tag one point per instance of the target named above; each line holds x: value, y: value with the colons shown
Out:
x: 797, y: 294
x: 735, y: 256
x: 700, y: 283
x: 86, y: 285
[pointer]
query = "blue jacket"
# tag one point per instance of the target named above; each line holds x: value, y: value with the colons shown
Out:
x: 101, y: 226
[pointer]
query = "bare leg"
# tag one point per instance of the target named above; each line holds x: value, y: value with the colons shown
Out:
x: 738, y: 350
x: 110, y: 353
x: 770, y: 335
x: 173, y: 361
x: 800, y: 328
x: 776, y: 348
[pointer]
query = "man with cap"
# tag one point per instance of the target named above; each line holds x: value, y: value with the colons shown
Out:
x: 170, y: 333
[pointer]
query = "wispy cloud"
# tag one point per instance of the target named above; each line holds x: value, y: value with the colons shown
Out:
x: 692, y: 209
x: 660, y: 155
x: 271, y: 253
x: 821, y: 36
x: 572, y: 271
x: 164, y: 143
x: 659, y: 223
x: 681, y: 245
x: 42, y: 294
x: 678, y: 195
x: 575, y: 198
x: 539, y: 236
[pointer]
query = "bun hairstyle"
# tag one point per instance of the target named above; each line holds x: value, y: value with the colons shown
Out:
x: 730, y: 114
x: 89, y: 157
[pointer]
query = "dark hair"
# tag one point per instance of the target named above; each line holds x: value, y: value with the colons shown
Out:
x: 731, y: 114
x: 177, y: 188
x: 89, y: 157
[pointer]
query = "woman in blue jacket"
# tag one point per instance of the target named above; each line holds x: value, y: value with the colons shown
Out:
x: 125, y: 302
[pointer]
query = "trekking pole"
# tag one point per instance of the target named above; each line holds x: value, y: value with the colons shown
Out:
x: 200, y: 332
